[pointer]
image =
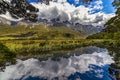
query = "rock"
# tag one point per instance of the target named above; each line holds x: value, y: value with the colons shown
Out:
x: 19, y: 9
x: 4, y: 21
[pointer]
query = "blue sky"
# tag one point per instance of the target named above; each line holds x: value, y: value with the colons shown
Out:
x: 33, y: 0
x: 108, y: 8
x: 107, y: 5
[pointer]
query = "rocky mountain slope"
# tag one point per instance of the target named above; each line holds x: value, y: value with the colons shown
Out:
x: 19, y: 9
x: 4, y: 21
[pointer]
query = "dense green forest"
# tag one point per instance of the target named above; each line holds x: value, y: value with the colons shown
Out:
x: 112, y: 30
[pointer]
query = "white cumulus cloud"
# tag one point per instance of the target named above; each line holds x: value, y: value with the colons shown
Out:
x: 65, y: 11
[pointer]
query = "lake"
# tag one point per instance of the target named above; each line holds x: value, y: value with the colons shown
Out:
x: 85, y: 63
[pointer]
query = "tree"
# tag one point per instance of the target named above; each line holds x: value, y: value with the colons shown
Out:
x: 6, y: 57
x: 112, y: 29
x: 116, y: 3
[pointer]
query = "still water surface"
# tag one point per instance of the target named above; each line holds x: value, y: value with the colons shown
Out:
x: 88, y: 63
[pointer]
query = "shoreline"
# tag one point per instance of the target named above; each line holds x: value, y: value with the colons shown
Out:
x: 25, y: 49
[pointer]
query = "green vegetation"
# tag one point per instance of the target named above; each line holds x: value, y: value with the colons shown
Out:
x: 42, y: 48
x: 38, y: 48
x: 31, y: 48
x: 112, y: 30
x: 116, y: 3
x: 24, y: 41
x: 41, y: 41
x: 38, y: 32
x: 6, y: 57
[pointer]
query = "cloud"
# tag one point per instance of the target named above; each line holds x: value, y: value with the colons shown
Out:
x: 64, y: 67
x: 67, y: 12
x: 97, y: 5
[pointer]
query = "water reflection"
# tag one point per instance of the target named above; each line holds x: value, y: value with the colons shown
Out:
x: 89, y: 63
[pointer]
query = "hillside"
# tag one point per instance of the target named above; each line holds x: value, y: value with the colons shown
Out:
x: 38, y: 31
x: 112, y: 30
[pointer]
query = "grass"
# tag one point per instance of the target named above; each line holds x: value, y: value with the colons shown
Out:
x: 24, y: 49
x: 39, y: 47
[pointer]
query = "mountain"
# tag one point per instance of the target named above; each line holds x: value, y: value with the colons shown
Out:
x: 84, y: 29
x: 19, y: 9
x: 39, y: 31
x: 54, y: 23
x: 4, y: 21
x: 87, y: 29
x: 112, y: 30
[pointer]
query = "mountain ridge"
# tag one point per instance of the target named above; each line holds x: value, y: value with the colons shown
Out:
x: 83, y: 29
x: 39, y: 32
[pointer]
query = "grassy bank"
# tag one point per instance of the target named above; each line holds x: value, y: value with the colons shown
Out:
x: 23, y: 49
x: 41, y: 47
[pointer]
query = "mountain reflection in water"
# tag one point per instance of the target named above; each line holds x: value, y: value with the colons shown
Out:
x: 89, y: 63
